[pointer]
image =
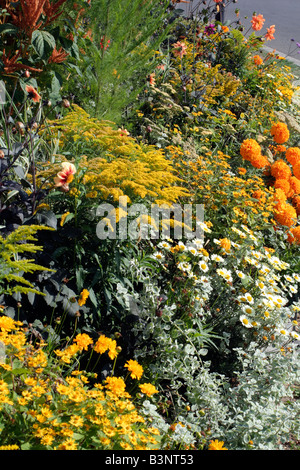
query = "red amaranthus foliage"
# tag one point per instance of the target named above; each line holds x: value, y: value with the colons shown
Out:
x: 57, y: 56
x: 12, y: 65
x: 30, y: 15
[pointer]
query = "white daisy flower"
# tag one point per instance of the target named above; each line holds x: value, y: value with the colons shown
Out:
x: 282, y: 331
x: 225, y: 273
x: 293, y: 289
x: 217, y: 258
x: 245, y: 321
x: 240, y: 274
x: 203, y: 266
x: 193, y: 251
x: 295, y: 335
x: 247, y: 309
x: 184, y: 266
x: 164, y: 245
x: 158, y: 255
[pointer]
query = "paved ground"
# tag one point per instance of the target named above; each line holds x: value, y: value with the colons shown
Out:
x: 284, y: 14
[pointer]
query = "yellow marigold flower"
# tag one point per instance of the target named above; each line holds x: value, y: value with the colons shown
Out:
x: 280, y: 132
x: 293, y: 155
x: 135, y: 368
x: 148, y: 389
x: 68, y: 444
x: 7, y: 323
x: 115, y: 385
x: 83, y: 297
x: 63, y: 218
x: 83, y: 341
x: 225, y: 243
x: 76, y: 421
x: 104, y: 344
x: 216, y: 445
x: 9, y: 447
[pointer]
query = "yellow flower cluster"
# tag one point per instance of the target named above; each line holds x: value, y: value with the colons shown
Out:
x: 212, y: 183
x: 65, y: 412
x: 114, y: 164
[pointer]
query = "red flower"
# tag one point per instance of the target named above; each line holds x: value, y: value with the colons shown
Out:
x: 65, y: 176
x: 33, y: 94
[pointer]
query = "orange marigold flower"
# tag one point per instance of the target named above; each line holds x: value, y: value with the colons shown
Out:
x: 65, y: 176
x: 285, y: 214
x: 279, y: 195
x: 257, y: 194
x: 283, y: 184
x: 257, y: 60
x: 32, y: 93
x: 280, y: 169
x: 250, y: 149
x: 296, y: 170
x: 280, y: 132
x: 259, y: 161
x: 242, y: 171
x: 296, y: 204
x: 294, y: 235
x: 293, y: 155
x: 270, y: 33
x: 295, y: 185
x: 257, y: 22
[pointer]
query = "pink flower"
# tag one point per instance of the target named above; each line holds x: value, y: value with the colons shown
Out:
x: 179, y: 49
x: 65, y: 176
x: 270, y: 33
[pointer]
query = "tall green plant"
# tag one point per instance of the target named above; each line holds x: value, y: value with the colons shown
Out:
x: 124, y: 36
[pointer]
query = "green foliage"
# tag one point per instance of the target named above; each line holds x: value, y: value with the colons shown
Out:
x: 14, y: 265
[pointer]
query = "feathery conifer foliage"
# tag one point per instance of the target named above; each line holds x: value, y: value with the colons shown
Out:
x: 123, y: 37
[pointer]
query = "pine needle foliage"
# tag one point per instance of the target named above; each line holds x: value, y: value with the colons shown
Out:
x: 124, y: 36
x: 13, y: 264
